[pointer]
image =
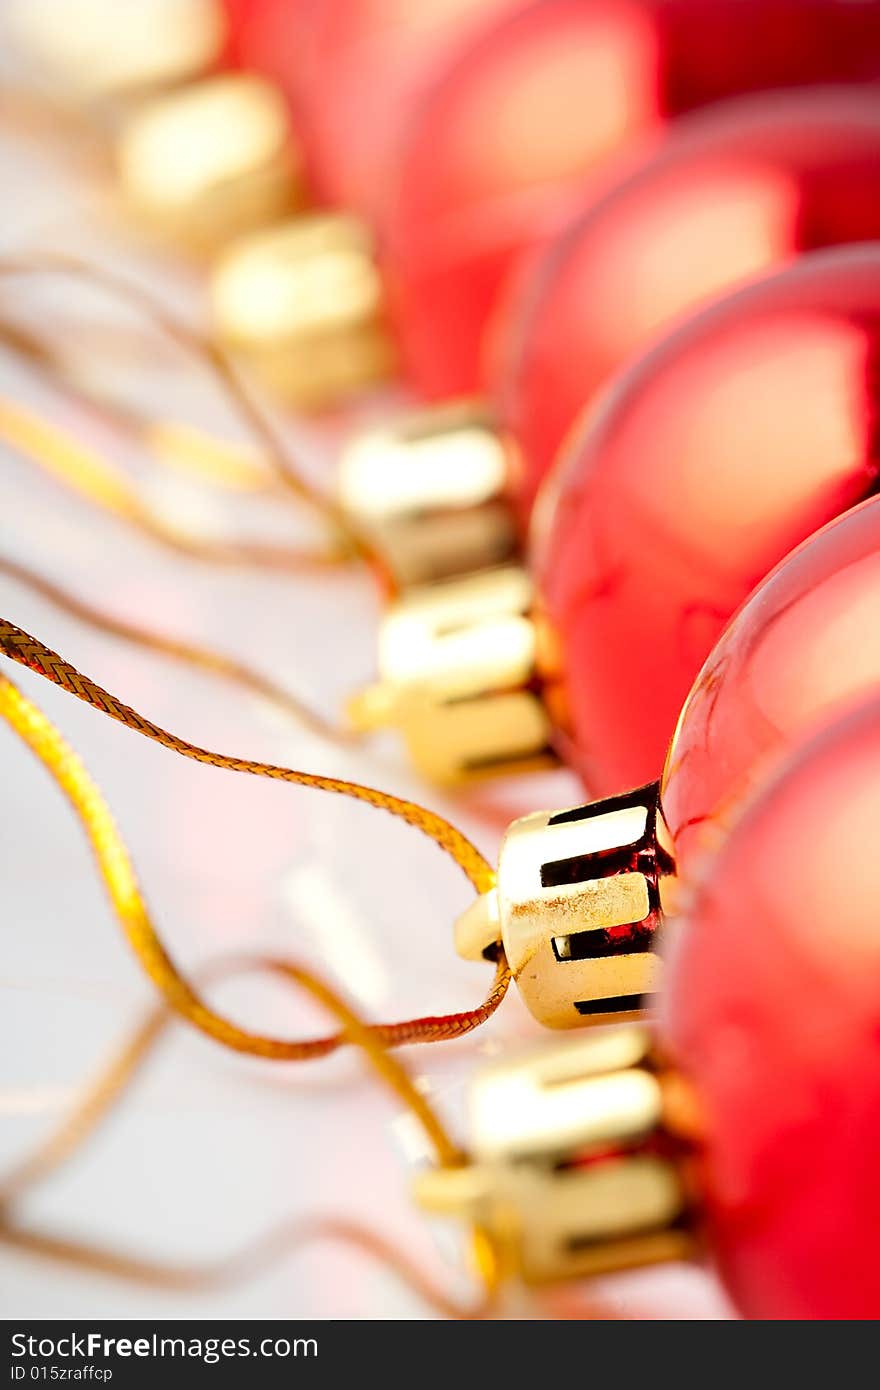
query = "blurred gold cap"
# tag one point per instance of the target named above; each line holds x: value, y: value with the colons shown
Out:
x: 212, y: 160
x: 430, y: 491
x: 577, y: 907
x: 94, y: 50
x: 575, y: 1169
x: 457, y: 673
x: 304, y: 303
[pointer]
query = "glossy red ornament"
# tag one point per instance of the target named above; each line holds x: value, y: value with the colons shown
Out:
x: 735, y: 438
x: 806, y: 645
x: 773, y: 1011
x: 537, y: 111
x: 735, y: 191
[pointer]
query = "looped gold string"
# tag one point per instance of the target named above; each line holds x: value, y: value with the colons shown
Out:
x: 121, y: 883
x: 178, y: 445
x: 97, y: 1101
x: 91, y: 1107
x: 85, y: 471
x: 29, y: 651
x: 252, y: 1259
x: 206, y: 351
x: 205, y: 659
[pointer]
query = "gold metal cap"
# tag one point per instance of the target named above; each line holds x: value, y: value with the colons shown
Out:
x: 92, y: 50
x: 211, y: 161
x: 575, y: 1169
x: 430, y: 491
x: 577, y: 908
x: 304, y: 303
x: 457, y: 667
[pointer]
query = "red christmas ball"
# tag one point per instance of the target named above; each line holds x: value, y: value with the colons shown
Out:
x: 733, y: 192
x: 537, y: 111
x: 369, y: 63
x: 273, y: 38
x: 353, y: 71
x: 773, y: 1011
x: 804, y: 647
x: 736, y: 437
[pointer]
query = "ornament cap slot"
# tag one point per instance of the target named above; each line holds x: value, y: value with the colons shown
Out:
x: 577, y: 908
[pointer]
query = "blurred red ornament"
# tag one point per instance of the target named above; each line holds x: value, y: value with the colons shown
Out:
x: 730, y: 442
x: 353, y: 71
x: 773, y: 1011
x: 738, y: 190
x: 369, y: 63
x: 273, y: 38
x: 538, y: 111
